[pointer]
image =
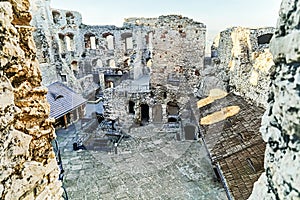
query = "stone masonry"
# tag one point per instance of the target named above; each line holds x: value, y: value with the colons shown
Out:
x: 82, y: 56
x: 241, y: 63
x: 281, y: 121
x: 27, y: 162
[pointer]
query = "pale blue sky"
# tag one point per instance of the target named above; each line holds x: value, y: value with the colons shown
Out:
x: 217, y: 15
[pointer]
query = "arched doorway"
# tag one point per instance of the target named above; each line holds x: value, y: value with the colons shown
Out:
x: 131, y: 105
x: 144, y: 113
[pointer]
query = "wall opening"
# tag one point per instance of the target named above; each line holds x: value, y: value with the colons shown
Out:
x: 172, y: 108
x: 127, y: 37
x: 109, y: 84
x: 56, y: 16
x: 63, y: 78
x: 173, y: 118
x: 90, y: 41
x: 74, y: 65
x: 145, y: 113
x: 217, y: 173
x: 69, y: 38
x: 69, y: 18
x: 110, y: 40
x: 129, y: 43
x: 62, y: 47
x: 264, y: 39
x: 111, y: 63
x: 131, y: 105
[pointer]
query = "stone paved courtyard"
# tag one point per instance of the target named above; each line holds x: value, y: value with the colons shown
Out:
x: 151, y: 164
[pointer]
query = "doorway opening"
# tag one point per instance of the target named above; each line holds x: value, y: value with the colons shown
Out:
x: 145, y: 113
x: 131, y: 105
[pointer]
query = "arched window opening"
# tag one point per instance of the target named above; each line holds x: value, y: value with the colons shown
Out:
x: 110, y: 40
x: 90, y: 41
x: 69, y: 41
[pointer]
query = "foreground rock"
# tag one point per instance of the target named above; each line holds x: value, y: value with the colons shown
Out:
x: 281, y: 121
x: 27, y: 162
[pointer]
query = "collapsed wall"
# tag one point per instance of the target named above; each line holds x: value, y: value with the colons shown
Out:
x: 241, y: 63
x: 281, y: 121
x: 27, y: 162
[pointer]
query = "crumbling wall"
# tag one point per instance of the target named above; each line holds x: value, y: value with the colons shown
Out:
x: 241, y: 63
x: 281, y: 121
x: 27, y: 162
x: 177, y: 49
x: 59, y: 47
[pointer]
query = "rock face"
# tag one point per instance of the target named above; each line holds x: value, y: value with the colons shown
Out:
x: 241, y: 63
x: 27, y: 162
x: 281, y: 121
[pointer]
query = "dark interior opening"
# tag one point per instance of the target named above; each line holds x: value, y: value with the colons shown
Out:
x: 172, y: 108
x: 264, y: 39
x: 165, y: 95
x: 217, y: 174
x: 145, y: 113
x: 131, y: 107
x: 172, y: 119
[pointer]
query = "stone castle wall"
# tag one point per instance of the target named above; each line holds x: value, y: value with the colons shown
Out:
x: 177, y: 46
x: 241, y: 63
x: 27, y: 162
x: 281, y: 121
x: 74, y: 53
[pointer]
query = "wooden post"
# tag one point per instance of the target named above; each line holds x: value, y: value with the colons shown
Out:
x: 65, y: 121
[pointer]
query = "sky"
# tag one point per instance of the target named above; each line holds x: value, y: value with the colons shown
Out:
x: 217, y: 15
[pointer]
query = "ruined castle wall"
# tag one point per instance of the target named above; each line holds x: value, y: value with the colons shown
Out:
x: 50, y: 36
x: 281, y: 121
x: 178, y: 47
x: 73, y: 53
x: 27, y: 162
x: 241, y: 63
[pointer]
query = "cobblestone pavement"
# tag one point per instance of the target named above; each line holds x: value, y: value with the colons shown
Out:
x: 151, y: 164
